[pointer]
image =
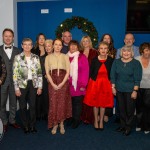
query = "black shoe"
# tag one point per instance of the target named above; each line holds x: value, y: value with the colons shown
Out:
x: 33, y: 130
x: 120, y: 129
x: 96, y: 129
x: 127, y: 132
x: 69, y: 121
x: 75, y: 124
x: 117, y: 120
x: 101, y: 129
x: 15, y: 125
x: 26, y: 130
x: 5, y: 128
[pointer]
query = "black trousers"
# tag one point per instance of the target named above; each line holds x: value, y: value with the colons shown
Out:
x: 143, y: 109
x: 117, y: 111
x: 28, y: 95
x: 109, y: 112
x: 42, y: 101
x: 77, y: 107
x: 127, y: 109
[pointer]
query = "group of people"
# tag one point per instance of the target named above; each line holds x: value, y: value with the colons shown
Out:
x: 64, y: 80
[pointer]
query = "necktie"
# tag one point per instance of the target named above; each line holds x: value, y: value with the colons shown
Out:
x: 7, y: 47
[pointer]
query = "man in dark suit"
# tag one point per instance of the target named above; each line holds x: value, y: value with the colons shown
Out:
x: 8, y: 52
x: 66, y: 37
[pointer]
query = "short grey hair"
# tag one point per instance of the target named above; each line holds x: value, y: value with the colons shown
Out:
x: 129, y: 48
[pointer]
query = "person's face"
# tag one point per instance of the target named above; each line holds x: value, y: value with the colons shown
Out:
x: 126, y: 54
x: 146, y: 53
x: 103, y: 49
x: 66, y: 37
x: 41, y: 40
x: 8, y: 38
x: 73, y: 48
x: 106, y: 39
x: 86, y: 43
x: 27, y: 46
x: 129, y: 40
x: 48, y: 47
x: 57, y: 46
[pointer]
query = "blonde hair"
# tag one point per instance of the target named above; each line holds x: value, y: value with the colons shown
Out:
x: 89, y: 39
x: 129, y: 48
x: 49, y: 41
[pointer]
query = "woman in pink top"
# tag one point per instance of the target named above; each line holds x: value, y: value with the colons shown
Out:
x: 78, y: 79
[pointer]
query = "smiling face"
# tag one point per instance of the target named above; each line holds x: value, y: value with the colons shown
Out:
x: 129, y: 39
x: 66, y: 37
x: 8, y: 38
x: 27, y: 46
x: 146, y: 53
x: 107, y: 39
x: 73, y: 48
x: 103, y: 49
x: 86, y: 43
x: 126, y: 53
x: 48, y: 47
x: 41, y: 40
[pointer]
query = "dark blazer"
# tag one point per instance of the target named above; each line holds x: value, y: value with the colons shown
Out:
x: 3, y: 71
x: 9, y: 62
x: 96, y: 64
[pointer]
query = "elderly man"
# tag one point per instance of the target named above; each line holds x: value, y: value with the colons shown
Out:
x: 66, y: 37
x: 129, y: 41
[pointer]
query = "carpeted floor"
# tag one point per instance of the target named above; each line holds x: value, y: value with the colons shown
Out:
x: 82, y: 138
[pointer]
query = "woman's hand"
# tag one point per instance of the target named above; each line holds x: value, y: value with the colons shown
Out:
x: 114, y: 91
x: 82, y: 89
x: 55, y: 86
x: 18, y: 93
x: 134, y: 95
x: 39, y: 91
x: 60, y: 85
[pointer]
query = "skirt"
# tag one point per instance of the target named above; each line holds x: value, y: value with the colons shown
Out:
x: 60, y: 106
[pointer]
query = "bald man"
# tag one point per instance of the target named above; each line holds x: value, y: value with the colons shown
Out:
x: 129, y: 41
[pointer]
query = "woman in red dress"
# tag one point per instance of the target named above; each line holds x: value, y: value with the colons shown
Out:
x: 99, y: 92
x: 112, y: 53
x: 88, y: 50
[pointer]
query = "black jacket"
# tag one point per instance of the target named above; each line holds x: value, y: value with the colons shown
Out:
x: 96, y: 64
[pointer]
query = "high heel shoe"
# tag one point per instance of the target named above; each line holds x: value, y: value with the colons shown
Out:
x: 96, y: 126
x: 62, y: 130
x: 54, y: 130
x: 101, y: 126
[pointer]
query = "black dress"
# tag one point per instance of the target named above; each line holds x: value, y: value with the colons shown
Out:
x: 42, y: 102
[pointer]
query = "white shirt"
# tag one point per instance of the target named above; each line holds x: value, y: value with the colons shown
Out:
x: 8, y: 51
x: 29, y: 68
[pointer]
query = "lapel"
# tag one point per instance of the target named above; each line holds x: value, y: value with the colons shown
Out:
x: 4, y: 55
x: 13, y: 53
x: 22, y: 57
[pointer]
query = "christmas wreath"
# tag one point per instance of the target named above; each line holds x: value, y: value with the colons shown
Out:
x: 86, y: 26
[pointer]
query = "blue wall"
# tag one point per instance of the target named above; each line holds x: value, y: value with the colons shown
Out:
x: 108, y: 16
